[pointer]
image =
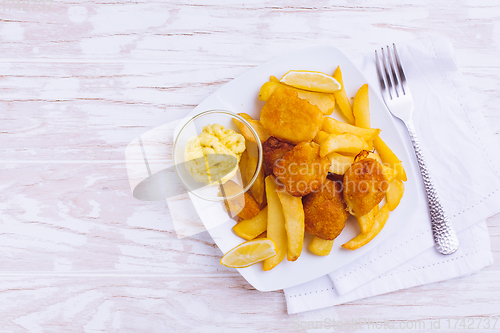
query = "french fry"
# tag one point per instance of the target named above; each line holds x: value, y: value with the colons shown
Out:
x: 360, y: 108
x: 267, y: 90
x: 333, y: 126
x: 361, y: 111
x: 321, y: 137
x: 242, y: 205
x: 294, y: 223
x: 320, y: 246
x: 389, y: 172
x: 363, y: 239
x: 341, y: 97
x: 258, y: 187
x: 342, y: 143
x: 250, y: 229
x: 257, y: 126
x: 246, y: 116
x: 394, y: 193
x: 245, y: 131
x: 243, y: 166
x: 273, y: 78
x: 366, y: 221
x: 252, y: 149
x: 252, y: 153
x: 340, y: 163
x: 261, y: 132
x: 275, y: 225
x: 262, y: 235
x: 387, y: 156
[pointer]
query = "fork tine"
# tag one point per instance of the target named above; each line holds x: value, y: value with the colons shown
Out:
x: 383, y: 86
x: 400, y: 69
x: 386, y: 73
x: 397, y: 84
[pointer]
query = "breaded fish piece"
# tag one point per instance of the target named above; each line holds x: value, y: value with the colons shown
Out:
x: 290, y: 118
x: 273, y: 150
x: 302, y: 170
x: 325, y: 211
x: 364, y: 186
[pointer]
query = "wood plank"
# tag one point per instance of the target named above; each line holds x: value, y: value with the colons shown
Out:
x: 93, y: 111
x: 225, y: 31
x: 83, y: 217
x: 184, y: 303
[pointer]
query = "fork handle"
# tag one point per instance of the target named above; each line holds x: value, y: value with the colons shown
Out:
x: 445, y: 239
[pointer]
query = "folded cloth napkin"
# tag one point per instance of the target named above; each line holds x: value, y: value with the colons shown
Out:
x: 456, y: 143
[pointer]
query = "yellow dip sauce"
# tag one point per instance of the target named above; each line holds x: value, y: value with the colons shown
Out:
x: 213, y: 140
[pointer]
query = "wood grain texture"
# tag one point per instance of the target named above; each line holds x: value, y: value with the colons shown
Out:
x: 80, y: 81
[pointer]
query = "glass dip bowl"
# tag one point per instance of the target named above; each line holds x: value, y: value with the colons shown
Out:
x: 212, y: 190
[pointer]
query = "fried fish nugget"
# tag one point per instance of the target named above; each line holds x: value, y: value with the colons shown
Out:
x: 364, y: 186
x: 325, y: 211
x: 302, y: 170
x: 290, y: 118
x: 273, y: 150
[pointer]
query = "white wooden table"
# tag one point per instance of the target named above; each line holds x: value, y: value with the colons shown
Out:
x: 78, y: 82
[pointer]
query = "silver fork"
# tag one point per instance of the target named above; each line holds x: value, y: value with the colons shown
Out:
x: 398, y: 99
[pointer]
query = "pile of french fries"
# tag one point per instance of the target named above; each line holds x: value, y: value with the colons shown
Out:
x: 344, y: 142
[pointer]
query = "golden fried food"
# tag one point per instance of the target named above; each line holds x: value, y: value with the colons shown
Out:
x: 341, y: 97
x: 290, y: 118
x: 364, y: 186
x: 293, y: 211
x: 366, y: 221
x: 247, y: 133
x: 324, y: 101
x: 389, y: 158
x: 320, y: 246
x: 273, y: 150
x: 394, y: 193
x: 257, y: 190
x: 325, y: 211
x: 363, y: 239
x: 243, y: 205
x: 302, y: 170
x: 250, y: 229
x: 276, y: 229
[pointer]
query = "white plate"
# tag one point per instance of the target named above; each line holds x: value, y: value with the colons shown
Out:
x: 241, y: 95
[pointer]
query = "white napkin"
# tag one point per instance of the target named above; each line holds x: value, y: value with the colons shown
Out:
x: 455, y: 140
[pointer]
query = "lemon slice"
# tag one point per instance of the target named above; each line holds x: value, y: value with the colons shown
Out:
x: 249, y: 253
x: 312, y: 81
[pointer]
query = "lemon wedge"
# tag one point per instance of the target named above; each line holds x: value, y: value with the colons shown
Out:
x: 312, y: 81
x: 249, y: 253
